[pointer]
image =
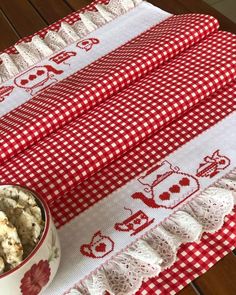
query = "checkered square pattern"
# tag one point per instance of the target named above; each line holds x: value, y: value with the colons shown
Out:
x: 70, y: 19
x: 70, y: 98
x: 193, y: 260
x: 103, y: 133
x: 58, y: 163
x: 145, y: 155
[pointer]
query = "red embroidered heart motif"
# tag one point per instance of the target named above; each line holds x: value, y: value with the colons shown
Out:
x: 85, y: 42
x: 175, y: 189
x: 23, y: 82
x: 184, y: 181
x: 40, y: 72
x: 32, y: 77
x: 101, y: 247
x: 137, y: 221
x: 164, y: 196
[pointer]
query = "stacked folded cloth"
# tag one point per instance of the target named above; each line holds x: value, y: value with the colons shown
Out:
x: 118, y: 134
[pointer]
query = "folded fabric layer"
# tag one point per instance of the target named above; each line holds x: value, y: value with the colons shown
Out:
x: 82, y: 139
x: 50, y: 110
x: 170, y: 138
x: 78, y: 55
x: 157, y: 249
x: 75, y: 152
x: 29, y: 53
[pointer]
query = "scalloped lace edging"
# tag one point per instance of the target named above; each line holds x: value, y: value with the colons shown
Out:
x: 157, y: 250
x: 30, y: 53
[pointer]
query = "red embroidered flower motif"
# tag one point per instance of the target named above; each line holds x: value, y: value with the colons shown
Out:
x: 35, y: 278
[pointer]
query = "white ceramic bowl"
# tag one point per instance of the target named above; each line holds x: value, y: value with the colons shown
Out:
x: 36, y: 272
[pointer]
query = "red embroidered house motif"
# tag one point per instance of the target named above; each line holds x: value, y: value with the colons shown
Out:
x: 134, y: 223
x: 175, y: 187
x: 212, y: 165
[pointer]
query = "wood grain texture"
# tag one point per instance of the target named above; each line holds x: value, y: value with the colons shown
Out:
x: 53, y: 10
x: 195, y: 6
x: 202, y: 7
x: 77, y: 4
x: 8, y: 34
x: 23, y: 17
x: 171, y: 6
x: 188, y: 290
x: 220, y: 280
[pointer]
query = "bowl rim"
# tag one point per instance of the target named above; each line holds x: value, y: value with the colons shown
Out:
x: 45, y: 230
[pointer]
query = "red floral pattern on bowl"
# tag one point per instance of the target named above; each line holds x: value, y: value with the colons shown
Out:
x: 36, y: 278
x: 36, y: 271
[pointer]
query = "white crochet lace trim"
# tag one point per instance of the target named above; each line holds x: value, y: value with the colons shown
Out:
x: 29, y: 53
x: 157, y: 250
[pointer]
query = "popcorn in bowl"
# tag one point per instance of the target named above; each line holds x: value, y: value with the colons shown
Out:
x: 28, y: 240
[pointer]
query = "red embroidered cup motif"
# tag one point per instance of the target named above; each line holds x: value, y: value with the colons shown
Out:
x: 61, y: 57
x: 5, y: 91
x: 87, y: 44
x: 166, y: 186
x: 99, y: 247
x: 135, y: 223
x: 212, y: 165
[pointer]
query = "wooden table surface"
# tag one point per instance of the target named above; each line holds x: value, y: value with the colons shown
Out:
x: 19, y: 18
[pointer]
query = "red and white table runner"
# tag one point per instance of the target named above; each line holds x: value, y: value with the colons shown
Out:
x: 128, y: 134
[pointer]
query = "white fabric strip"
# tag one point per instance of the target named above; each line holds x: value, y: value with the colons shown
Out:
x: 78, y: 55
x: 113, y: 223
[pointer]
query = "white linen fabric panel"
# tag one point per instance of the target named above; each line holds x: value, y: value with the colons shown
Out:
x: 76, y: 235
x: 78, y: 55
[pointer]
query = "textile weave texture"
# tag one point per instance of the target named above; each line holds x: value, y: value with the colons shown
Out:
x: 133, y: 107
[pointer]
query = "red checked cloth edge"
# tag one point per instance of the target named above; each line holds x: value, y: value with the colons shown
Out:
x: 99, y: 81
x: 110, y: 129
x: 193, y: 260
x: 150, y: 285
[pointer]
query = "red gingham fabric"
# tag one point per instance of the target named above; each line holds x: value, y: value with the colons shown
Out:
x: 60, y: 162
x: 70, y: 19
x: 67, y: 100
x: 142, y: 157
x: 136, y: 115
x: 194, y: 259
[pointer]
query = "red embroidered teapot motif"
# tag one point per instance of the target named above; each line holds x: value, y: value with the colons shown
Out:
x: 134, y: 223
x: 87, y: 44
x: 36, y: 77
x: 5, y: 91
x: 166, y: 186
x: 61, y: 57
x: 212, y: 165
x: 99, y: 247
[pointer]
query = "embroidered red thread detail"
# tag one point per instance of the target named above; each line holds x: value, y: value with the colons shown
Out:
x: 5, y: 91
x: 134, y: 223
x: 99, y: 247
x: 212, y: 165
x: 36, y: 77
x: 61, y: 57
x: 87, y: 44
x: 176, y: 186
